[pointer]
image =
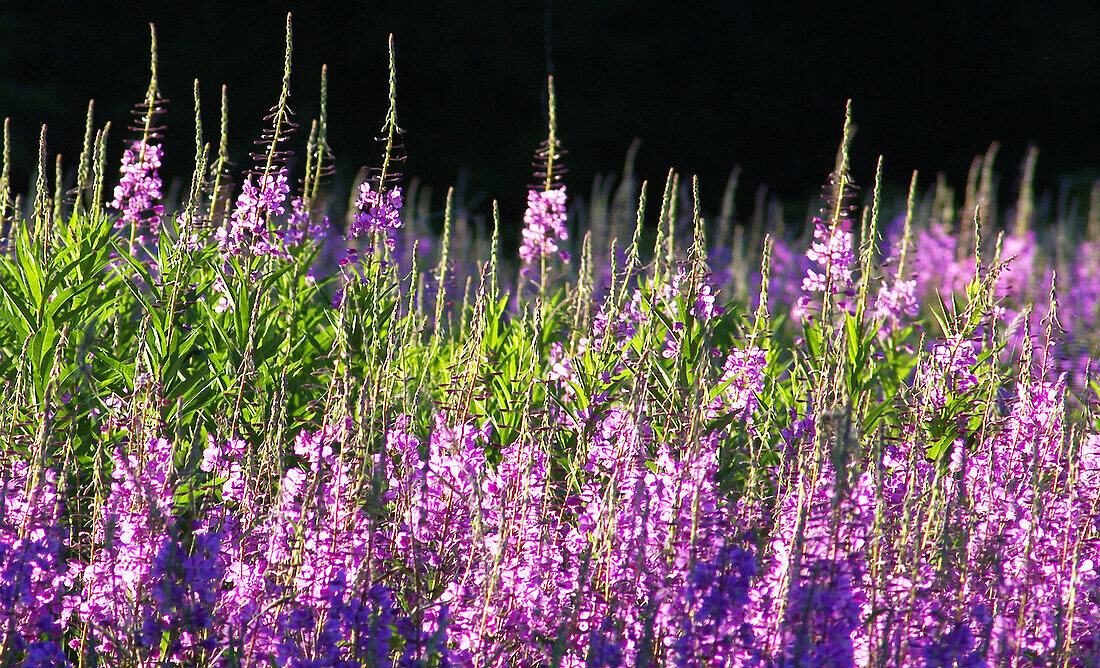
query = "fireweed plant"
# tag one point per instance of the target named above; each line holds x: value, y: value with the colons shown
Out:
x: 237, y: 434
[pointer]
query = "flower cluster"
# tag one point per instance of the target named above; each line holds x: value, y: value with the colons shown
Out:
x: 599, y: 576
x: 302, y: 224
x: 941, y: 264
x: 136, y: 194
x: 619, y: 326
x: 290, y: 587
x: 433, y: 550
x: 247, y: 229
x: 831, y: 250
x: 949, y: 370
x: 378, y: 212
x: 894, y: 304
x: 743, y: 378
x: 131, y: 544
x: 544, y: 225
x: 705, y: 306
x: 35, y: 580
x: 807, y: 605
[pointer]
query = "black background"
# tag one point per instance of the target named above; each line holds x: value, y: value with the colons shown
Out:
x: 705, y: 86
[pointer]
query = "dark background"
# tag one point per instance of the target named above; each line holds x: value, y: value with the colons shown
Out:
x: 705, y: 86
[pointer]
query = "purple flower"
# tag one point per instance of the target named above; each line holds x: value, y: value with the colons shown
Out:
x: 706, y: 303
x: 603, y: 652
x: 956, y: 648
x: 801, y: 430
x: 939, y: 263
x: 45, y: 654
x: 247, y: 229
x: 544, y: 225
x: 184, y: 588
x: 34, y: 578
x: 949, y: 370
x: 716, y: 595
x: 140, y: 187
x: 301, y: 225
x: 379, y: 211
x: 743, y: 378
x: 895, y: 303
x: 1018, y: 253
x: 621, y: 327
x: 787, y: 269
x: 831, y: 250
x: 120, y: 578
x: 810, y: 599
x: 672, y: 346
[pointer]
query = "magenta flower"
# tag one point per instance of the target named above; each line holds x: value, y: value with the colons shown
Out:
x: 301, y: 225
x: 34, y: 577
x: 544, y: 225
x: 940, y: 264
x: 949, y: 370
x: 138, y: 515
x: 894, y: 304
x: 247, y: 228
x: 743, y: 377
x: 140, y: 188
x: 832, y: 252
x: 706, y: 303
x: 379, y: 211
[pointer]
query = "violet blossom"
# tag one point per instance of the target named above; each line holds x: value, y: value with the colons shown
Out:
x: 544, y: 225
x: 136, y: 194
x: 831, y: 250
x: 378, y: 212
x: 247, y: 229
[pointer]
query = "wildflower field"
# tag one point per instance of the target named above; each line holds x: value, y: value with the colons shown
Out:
x: 235, y: 431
